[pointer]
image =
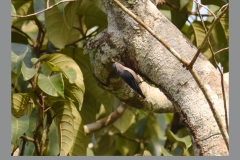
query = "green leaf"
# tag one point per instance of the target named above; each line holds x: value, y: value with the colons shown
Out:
x: 184, y: 142
x: 53, y: 144
x: 74, y: 86
x: 20, y: 49
x: 146, y: 153
x: 29, y: 146
x: 53, y: 85
x: 218, y: 41
x: 125, y: 146
x: 34, y: 60
x: 22, y: 105
x: 59, y: 25
x: 70, y: 74
x: 63, y: 61
x: 178, y: 18
x: 17, y: 61
x: 125, y: 121
x: 18, y: 127
x: 224, y: 21
x: 25, y: 9
x: 28, y: 73
x: 45, y: 69
x: 13, y: 12
x: 186, y: 3
x: 93, y: 12
x: 64, y: 121
x: 94, y: 91
x: 79, y: 147
x: 39, y: 5
x: 165, y: 152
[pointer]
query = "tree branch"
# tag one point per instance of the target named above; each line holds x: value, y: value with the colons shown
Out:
x: 221, y: 50
x: 206, y: 8
x: 50, y: 7
x: 89, y: 128
x: 25, y: 34
x: 206, y: 37
x: 192, y: 71
x: 27, y: 138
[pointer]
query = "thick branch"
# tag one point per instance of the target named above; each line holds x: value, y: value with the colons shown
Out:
x: 129, y: 43
x: 185, y: 62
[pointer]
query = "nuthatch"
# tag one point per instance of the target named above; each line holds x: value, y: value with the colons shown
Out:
x: 129, y: 76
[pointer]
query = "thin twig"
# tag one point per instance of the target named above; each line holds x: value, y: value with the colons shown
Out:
x: 29, y: 15
x: 188, y: 12
x: 89, y: 128
x: 206, y: 37
x: 27, y: 138
x: 224, y: 100
x: 221, y: 50
x: 219, y: 69
x: 205, y: 8
x: 25, y: 34
x: 192, y: 71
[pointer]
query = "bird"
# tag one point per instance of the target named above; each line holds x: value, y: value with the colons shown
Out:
x: 129, y: 76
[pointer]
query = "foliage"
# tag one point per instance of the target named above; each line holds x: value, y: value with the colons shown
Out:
x: 54, y: 93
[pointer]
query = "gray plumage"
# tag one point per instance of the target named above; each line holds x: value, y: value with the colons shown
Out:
x: 129, y: 76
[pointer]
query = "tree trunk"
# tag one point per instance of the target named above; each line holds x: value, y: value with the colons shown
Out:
x: 130, y: 44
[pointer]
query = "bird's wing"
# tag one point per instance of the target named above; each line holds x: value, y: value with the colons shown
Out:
x: 129, y: 79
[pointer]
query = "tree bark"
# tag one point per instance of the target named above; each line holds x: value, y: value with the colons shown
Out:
x: 130, y: 44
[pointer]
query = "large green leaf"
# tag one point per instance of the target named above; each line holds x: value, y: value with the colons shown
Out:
x: 18, y: 127
x: 184, y: 141
x: 17, y: 61
x: 22, y: 105
x: 94, y: 91
x: 70, y: 74
x: 59, y: 24
x: 93, y: 12
x: 28, y: 73
x: 53, y: 143
x: 73, y: 77
x: 64, y: 62
x: 20, y: 49
x: 224, y: 21
x: 64, y: 121
x: 52, y: 85
x: 79, y: 147
x: 217, y: 38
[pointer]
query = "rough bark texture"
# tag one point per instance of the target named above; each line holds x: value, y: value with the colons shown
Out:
x: 130, y: 44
